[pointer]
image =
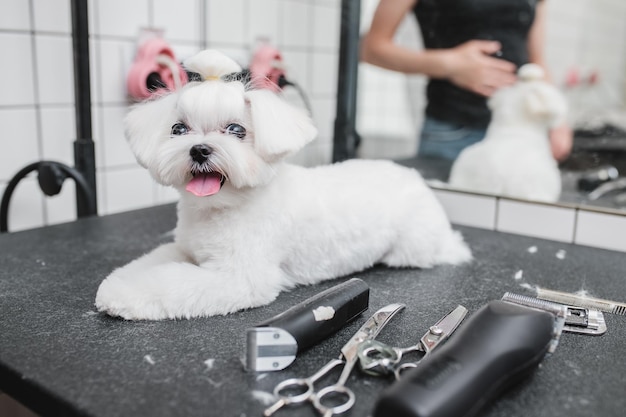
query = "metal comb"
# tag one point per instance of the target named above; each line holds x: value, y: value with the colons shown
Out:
x: 582, y: 301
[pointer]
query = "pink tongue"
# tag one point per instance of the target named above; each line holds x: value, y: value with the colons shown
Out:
x: 203, y: 185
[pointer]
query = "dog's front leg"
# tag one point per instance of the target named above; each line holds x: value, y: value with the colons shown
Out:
x: 165, y: 285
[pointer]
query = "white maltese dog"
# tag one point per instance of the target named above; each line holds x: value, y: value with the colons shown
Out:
x: 250, y: 225
x: 514, y: 158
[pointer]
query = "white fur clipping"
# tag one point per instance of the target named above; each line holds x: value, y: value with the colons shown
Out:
x: 531, y: 72
x: 211, y: 64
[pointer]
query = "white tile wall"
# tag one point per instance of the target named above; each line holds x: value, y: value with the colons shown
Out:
x: 295, y: 30
x: 26, y: 204
x: 112, y: 142
x: 588, y: 36
x: 324, y: 109
x: 19, y: 140
x: 561, y: 31
x: 298, y: 68
x: 58, y: 131
x: 326, y: 16
x: 61, y: 208
x: 113, y: 60
x: 54, y: 69
x: 118, y: 18
x: 266, y: 27
x: 51, y: 15
x: 18, y: 86
x: 37, y: 101
x: 226, y: 22
x: 324, y: 68
x: 14, y: 15
x: 538, y: 220
x: 564, y: 224
x: 468, y: 209
x: 174, y: 18
x: 127, y: 189
x: 165, y: 194
x: 602, y: 230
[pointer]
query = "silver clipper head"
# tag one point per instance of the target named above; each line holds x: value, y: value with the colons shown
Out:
x: 575, y: 319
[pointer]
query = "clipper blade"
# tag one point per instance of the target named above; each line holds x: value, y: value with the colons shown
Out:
x: 576, y: 319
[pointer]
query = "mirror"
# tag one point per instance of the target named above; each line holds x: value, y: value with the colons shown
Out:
x: 585, y: 52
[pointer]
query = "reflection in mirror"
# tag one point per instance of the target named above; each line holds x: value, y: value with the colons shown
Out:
x: 514, y: 158
x: 585, y: 54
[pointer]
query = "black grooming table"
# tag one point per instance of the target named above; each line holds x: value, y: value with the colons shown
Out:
x: 61, y: 358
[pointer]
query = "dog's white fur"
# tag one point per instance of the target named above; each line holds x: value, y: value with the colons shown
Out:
x: 272, y: 225
x: 514, y: 159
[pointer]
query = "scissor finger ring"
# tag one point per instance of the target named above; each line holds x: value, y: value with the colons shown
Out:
x: 328, y: 411
x: 403, y: 368
x: 289, y: 384
x: 376, y: 358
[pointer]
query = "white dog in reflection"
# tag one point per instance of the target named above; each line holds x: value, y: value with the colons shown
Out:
x: 250, y: 225
x: 514, y: 159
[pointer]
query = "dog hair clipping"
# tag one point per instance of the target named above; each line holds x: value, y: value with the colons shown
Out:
x: 211, y: 65
x: 531, y: 72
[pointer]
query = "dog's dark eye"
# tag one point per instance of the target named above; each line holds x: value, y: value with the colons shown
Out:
x: 179, y: 128
x: 237, y: 130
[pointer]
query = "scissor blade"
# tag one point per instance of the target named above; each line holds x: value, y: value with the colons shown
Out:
x: 369, y: 330
x: 443, y: 328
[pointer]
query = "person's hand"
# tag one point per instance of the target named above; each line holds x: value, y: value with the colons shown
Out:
x: 472, y: 67
x: 561, y: 142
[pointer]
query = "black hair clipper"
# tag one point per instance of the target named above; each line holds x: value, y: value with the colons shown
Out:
x: 273, y: 344
x: 496, y: 347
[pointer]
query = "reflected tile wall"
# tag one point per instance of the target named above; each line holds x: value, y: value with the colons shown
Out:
x: 559, y: 223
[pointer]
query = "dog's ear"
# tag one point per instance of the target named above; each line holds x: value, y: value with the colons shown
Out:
x: 146, y: 124
x: 280, y: 129
x: 546, y: 103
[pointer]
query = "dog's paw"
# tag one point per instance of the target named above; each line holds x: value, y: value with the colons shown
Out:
x: 117, y: 297
x: 175, y: 291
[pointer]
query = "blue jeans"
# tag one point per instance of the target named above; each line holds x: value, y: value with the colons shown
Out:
x: 446, y: 140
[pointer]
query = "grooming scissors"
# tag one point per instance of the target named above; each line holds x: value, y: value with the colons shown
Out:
x: 377, y: 358
x: 348, y: 357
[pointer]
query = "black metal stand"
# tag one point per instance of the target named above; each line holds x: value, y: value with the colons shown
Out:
x: 346, y: 138
x: 84, y: 152
x: 51, y: 177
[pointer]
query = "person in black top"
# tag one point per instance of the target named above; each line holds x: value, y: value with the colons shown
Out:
x: 471, y: 49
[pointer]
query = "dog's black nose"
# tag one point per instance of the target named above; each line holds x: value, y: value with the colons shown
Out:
x: 200, y: 153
